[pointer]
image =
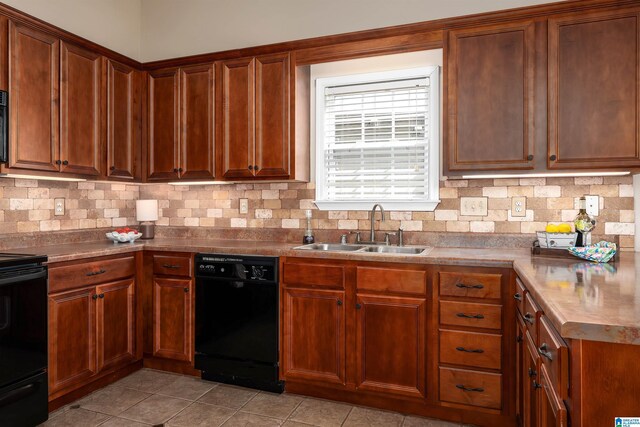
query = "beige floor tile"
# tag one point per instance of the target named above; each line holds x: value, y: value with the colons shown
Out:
x: 273, y: 405
x: 229, y: 396
x: 147, y: 380
x: 121, y: 422
x: 411, y: 421
x: 189, y: 388
x: 155, y: 410
x: 200, y: 414
x: 112, y: 400
x: 290, y: 423
x: 321, y: 413
x: 243, y: 419
x: 77, y: 418
x: 365, y: 417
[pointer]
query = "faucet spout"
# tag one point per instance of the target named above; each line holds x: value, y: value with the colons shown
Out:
x: 373, y: 213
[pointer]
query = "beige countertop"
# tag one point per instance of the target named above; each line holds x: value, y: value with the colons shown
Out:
x: 582, y: 299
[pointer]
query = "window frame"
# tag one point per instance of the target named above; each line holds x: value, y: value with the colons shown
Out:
x: 433, y: 148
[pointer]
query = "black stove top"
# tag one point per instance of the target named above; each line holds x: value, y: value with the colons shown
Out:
x: 11, y: 260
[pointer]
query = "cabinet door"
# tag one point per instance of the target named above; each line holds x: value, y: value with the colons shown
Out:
x: 314, y: 335
x: 123, y: 119
x: 115, y: 323
x: 272, y: 116
x: 163, y: 125
x: 553, y: 413
x: 521, y: 372
x: 531, y: 387
x: 72, y: 338
x: 80, y: 109
x: 489, y: 98
x: 33, y: 99
x: 172, y: 319
x: 238, y: 127
x: 594, y: 87
x: 390, y: 349
x: 197, y: 122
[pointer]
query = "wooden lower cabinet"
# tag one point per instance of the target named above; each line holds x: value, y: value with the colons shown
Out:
x: 172, y: 318
x: 313, y: 327
x: 115, y: 323
x: 72, y: 338
x: 390, y: 344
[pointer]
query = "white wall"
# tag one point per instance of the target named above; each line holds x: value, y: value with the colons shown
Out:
x: 172, y: 28
x: 111, y: 23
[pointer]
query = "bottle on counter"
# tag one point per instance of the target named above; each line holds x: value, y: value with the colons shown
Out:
x: 584, y: 224
x: 308, y: 234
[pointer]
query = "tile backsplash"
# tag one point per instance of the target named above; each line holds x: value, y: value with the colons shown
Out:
x: 282, y: 205
x: 28, y: 206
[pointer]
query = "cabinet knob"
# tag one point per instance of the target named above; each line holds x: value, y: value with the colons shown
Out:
x: 517, y: 296
x: 175, y: 170
x: 186, y: 290
x: 536, y: 385
x: 339, y: 302
x: 250, y: 167
x: 552, y: 157
x: 66, y: 162
x: 179, y: 169
x: 101, y: 296
x: 532, y: 373
x: 530, y: 157
x: 94, y: 296
x: 255, y: 167
x: 112, y: 168
x: 358, y: 306
x: 58, y: 162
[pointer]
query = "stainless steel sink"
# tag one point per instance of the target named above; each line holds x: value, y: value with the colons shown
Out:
x: 330, y: 247
x: 395, y: 250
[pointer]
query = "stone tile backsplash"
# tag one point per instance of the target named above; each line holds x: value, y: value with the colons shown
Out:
x: 27, y: 206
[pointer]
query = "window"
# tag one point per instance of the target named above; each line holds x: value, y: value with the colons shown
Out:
x: 377, y: 140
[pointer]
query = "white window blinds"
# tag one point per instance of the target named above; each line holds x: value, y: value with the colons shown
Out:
x: 376, y: 139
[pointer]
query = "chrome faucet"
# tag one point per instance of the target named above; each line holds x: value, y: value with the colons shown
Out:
x: 372, y: 237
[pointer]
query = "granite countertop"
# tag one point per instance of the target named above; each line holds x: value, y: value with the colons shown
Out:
x: 599, y: 302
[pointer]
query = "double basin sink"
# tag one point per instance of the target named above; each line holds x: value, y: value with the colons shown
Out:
x: 381, y: 249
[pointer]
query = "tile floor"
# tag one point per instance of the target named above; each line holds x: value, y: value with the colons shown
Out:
x: 155, y: 398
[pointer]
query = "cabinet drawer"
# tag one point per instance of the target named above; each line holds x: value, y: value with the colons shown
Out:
x: 301, y: 275
x: 392, y: 280
x: 531, y: 315
x: 519, y: 295
x: 471, y: 314
x: 471, y: 388
x: 470, y: 285
x: 471, y: 349
x: 172, y: 265
x: 90, y: 272
x: 554, y: 355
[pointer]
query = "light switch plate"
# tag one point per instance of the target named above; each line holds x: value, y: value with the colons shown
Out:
x: 473, y: 206
x: 244, y: 206
x: 58, y: 207
x: 593, y: 202
x: 519, y: 206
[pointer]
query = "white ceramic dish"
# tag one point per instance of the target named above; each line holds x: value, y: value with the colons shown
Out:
x: 557, y: 240
x: 129, y: 237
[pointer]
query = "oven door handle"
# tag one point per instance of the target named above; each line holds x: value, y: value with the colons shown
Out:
x: 17, y: 394
x: 23, y: 277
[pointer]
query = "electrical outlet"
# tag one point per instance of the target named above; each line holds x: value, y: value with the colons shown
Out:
x: 244, y: 206
x: 473, y: 206
x: 519, y: 206
x: 593, y: 202
x: 58, y: 207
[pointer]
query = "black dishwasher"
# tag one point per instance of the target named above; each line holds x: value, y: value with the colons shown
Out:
x: 236, y: 338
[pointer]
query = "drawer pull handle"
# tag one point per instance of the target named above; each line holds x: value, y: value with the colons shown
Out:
x: 474, y: 389
x: 95, y: 273
x: 517, y: 297
x: 463, y: 286
x: 470, y: 316
x: 479, y: 350
x: 528, y: 318
x: 532, y: 373
x: 543, y: 350
x: 171, y: 266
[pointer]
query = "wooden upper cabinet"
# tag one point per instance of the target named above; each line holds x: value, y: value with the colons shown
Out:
x: 33, y: 100
x: 272, y: 116
x: 80, y: 110
x: 197, y: 92
x: 122, y: 119
x: 594, y: 87
x: 238, y: 126
x: 489, y: 98
x: 115, y: 311
x: 164, y: 95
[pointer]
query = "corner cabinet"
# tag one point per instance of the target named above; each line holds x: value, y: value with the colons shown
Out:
x: 594, y: 88
x: 489, y: 97
x: 181, y: 125
x: 255, y: 102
